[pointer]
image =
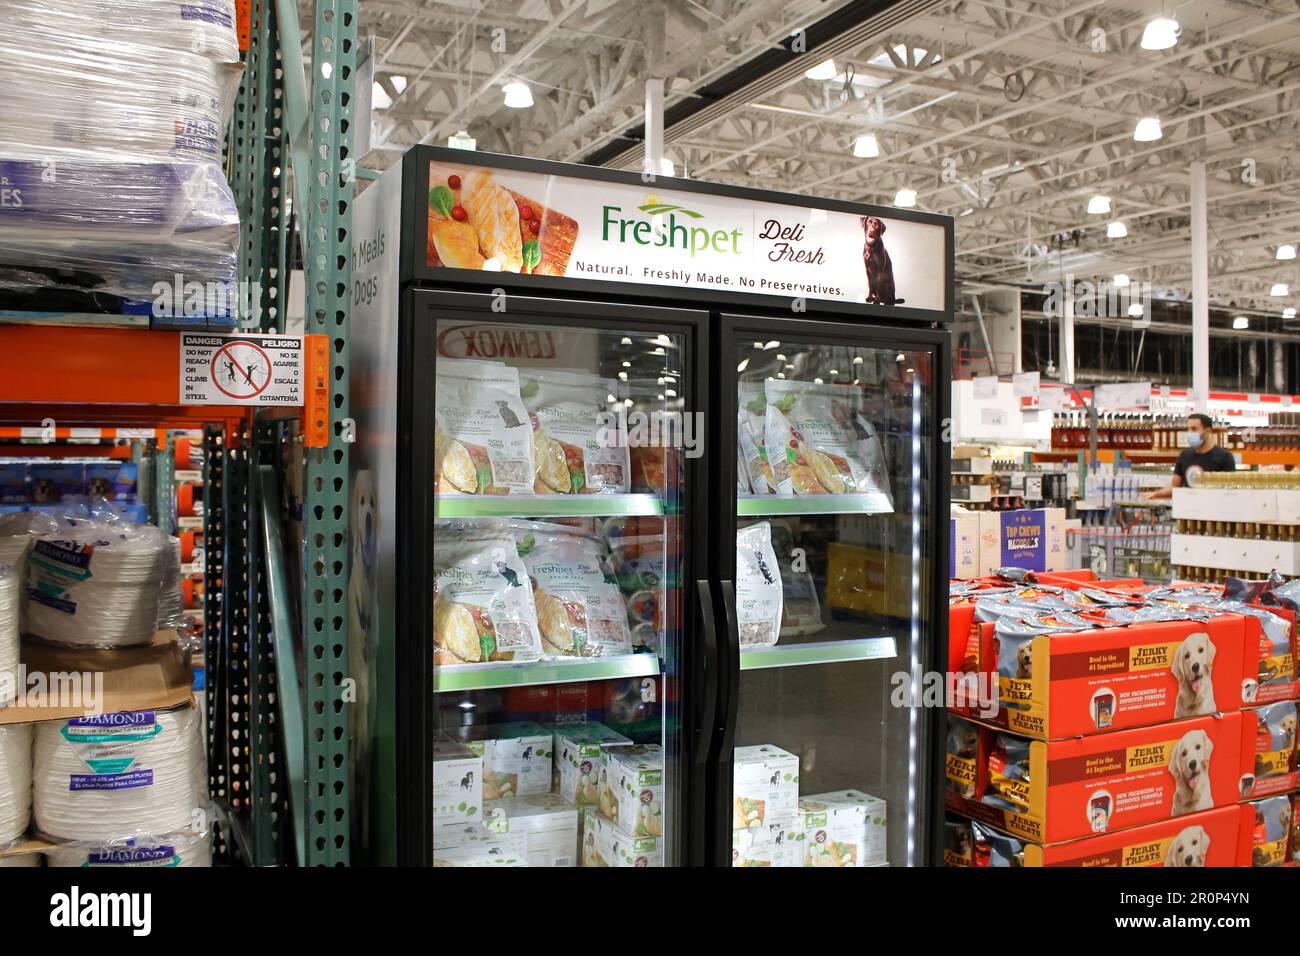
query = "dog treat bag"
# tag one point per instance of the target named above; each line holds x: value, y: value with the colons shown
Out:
x: 577, y: 448
x: 580, y: 609
x: 751, y: 436
x: 1275, y: 739
x: 963, y: 749
x: 482, y: 597
x: 638, y: 562
x: 1008, y: 774
x: 483, y: 444
x: 813, y: 440
x: 758, y: 587
x: 995, y: 849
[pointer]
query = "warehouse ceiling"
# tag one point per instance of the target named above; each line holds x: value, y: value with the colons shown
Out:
x: 1008, y: 114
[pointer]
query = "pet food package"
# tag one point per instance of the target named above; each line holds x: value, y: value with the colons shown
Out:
x: 457, y: 785
x: 1212, y: 838
x: 801, y: 609
x: 1275, y: 747
x: 996, y: 850
x: 1077, y: 683
x: 579, y: 760
x: 776, y: 844
x: 516, y: 758
x: 580, y: 609
x: 815, y: 437
x: 633, y: 788
x: 604, y: 844
x: 961, y: 763
x: 742, y: 481
x: 843, y: 828
x: 765, y: 786
x: 483, y: 606
x: 487, y: 855
x: 483, y: 438
x: 957, y: 845
x: 541, y: 828
x: 759, y: 593
x: 576, y: 447
x: 1271, y: 831
x: 751, y: 436
x: 639, y: 564
x: 1053, y: 791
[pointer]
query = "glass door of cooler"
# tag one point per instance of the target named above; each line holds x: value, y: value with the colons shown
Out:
x: 831, y: 592
x: 561, y: 441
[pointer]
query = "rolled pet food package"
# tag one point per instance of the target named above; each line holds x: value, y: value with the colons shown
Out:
x: 801, y: 610
x: 813, y: 441
x: 113, y: 776
x: 578, y: 444
x: 483, y: 608
x: 186, y: 848
x: 580, y: 609
x: 483, y: 437
x: 752, y: 437
x: 1007, y: 772
x: 96, y: 585
x: 15, y: 781
x: 759, y: 594
x: 995, y: 849
x: 963, y: 753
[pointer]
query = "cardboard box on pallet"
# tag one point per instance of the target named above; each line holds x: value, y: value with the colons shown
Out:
x: 1090, y: 682
x: 1054, y: 791
x: 1033, y: 539
x: 1221, y: 837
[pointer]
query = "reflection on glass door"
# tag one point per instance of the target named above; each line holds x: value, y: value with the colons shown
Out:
x: 556, y: 600
x: 830, y: 519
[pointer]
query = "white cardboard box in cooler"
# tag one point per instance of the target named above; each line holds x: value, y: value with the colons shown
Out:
x: 479, y: 855
x: 579, y: 749
x: 451, y: 836
x: 542, y: 828
x: 457, y: 783
x: 777, y: 844
x: 765, y: 786
x: 843, y: 828
x: 632, y: 793
x: 516, y: 758
x: 604, y: 844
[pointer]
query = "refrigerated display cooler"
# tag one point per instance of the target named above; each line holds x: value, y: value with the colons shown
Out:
x: 649, y: 512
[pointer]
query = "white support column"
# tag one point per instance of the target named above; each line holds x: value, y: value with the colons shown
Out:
x: 1066, y: 356
x: 1200, y: 292
x: 654, y: 126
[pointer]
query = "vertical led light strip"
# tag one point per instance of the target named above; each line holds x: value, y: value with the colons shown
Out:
x: 913, y: 714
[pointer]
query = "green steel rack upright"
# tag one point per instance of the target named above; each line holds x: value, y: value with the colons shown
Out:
x: 277, y: 720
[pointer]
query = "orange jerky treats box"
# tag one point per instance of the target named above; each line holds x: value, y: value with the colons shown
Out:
x: 1089, y: 682
x: 1053, y: 791
x: 1221, y: 837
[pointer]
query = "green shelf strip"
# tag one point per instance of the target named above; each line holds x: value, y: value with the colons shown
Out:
x: 818, y: 652
x: 543, y: 506
x: 462, y: 677
x: 866, y: 503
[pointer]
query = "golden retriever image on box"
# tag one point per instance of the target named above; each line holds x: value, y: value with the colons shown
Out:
x: 1025, y: 661
x: 1288, y: 731
x: 1190, y: 767
x: 1188, y: 848
x: 1192, y: 667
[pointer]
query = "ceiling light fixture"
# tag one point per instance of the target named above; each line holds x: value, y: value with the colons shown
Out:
x: 1098, y: 205
x: 1120, y: 281
x: 1116, y: 230
x: 1147, y: 129
x: 518, y: 95
x: 905, y: 198
x: 1241, y: 322
x: 1288, y: 312
x: 825, y: 70
x: 1279, y: 289
x: 1160, y: 34
x: 866, y: 147
x: 1136, y: 310
x: 462, y: 140
x: 1285, y: 251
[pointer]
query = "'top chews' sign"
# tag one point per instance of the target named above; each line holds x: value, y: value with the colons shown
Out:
x: 1022, y: 539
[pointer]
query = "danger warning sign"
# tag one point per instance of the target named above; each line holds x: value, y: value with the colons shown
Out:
x: 241, y: 369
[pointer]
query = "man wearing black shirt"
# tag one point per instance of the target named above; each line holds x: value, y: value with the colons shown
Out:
x: 1202, y: 453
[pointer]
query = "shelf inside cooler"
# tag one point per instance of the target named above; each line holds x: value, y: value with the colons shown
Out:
x: 818, y: 652
x: 546, y: 506
x: 870, y: 502
x: 460, y: 677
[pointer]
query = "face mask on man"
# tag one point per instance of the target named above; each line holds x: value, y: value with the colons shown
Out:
x: 1193, y: 439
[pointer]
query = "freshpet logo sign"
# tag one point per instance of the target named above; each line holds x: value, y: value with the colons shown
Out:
x: 667, y: 232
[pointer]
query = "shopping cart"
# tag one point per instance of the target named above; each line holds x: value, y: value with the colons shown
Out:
x: 1133, y: 542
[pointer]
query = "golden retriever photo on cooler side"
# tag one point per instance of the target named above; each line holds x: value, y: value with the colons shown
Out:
x: 1190, y: 767
x: 1192, y: 668
x: 1188, y: 848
